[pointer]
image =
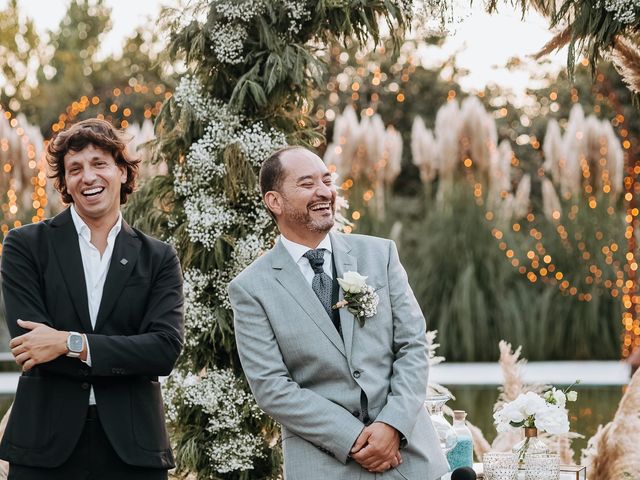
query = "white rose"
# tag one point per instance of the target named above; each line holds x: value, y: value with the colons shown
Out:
x: 507, y: 414
x: 352, y: 282
x: 553, y: 420
x: 513, y: 414
x: 531, y: 403
x: 560, y: 398
x: 572, y: 396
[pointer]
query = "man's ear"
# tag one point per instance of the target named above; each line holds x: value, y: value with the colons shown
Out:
x: 273, y: 201
x: 123, y: 173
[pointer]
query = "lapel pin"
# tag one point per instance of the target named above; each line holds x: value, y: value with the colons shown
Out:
x: 124, y: 261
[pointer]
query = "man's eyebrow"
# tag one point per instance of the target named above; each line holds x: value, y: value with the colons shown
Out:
x: 304, y: 177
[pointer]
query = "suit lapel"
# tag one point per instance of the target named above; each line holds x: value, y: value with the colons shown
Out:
x: 67, y: 248
x: 127, y: 247
x: 288, y: 274
x: 344, y: 263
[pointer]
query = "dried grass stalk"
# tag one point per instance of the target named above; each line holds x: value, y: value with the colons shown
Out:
x: 626, y: 58
x: 562, y: 445
x: 510, y: 363
x: 514, y: 385
x: 612, y: 453
x: 556, y: 43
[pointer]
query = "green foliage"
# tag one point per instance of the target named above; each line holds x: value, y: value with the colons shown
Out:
x: 42, y: 81
x: 280, y: 64
x: 68, y: 72
x: 464, y: 281
x: 593, y: 28
x: 19, y: 49
x: 474, y: 297
x: 593, y: 25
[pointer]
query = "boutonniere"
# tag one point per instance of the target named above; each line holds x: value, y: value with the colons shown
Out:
x: 359, y: 298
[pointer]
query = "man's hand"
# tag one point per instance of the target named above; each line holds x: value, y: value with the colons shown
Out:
x: 42, y: 344
x: 377, y: 448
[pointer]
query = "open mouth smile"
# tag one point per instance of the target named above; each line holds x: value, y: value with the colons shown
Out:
x: 92, y: 192
x: 320, y: 207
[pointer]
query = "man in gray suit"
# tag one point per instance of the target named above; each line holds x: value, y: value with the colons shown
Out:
x: 349, y: 397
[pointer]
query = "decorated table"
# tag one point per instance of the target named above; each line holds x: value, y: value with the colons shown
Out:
x: 577, y: 474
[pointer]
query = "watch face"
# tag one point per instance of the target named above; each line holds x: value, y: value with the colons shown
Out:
x: 75, y: 343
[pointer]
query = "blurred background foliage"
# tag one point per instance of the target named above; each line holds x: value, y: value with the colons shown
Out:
x: 43, y: 77
x: 470, y: 290
x: 456, y: 253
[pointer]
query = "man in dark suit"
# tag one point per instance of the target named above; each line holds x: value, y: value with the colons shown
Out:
x: 95, y: 312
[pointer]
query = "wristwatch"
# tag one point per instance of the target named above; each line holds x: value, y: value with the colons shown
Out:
x: 75, y: 344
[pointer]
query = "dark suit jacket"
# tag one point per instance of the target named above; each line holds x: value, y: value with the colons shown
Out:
x: 138, y: 336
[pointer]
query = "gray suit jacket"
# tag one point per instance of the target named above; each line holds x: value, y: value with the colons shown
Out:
x: 305, y: 376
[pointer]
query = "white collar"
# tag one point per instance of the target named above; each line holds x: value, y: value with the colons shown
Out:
x: 297, y: 250
x: 83, y: 229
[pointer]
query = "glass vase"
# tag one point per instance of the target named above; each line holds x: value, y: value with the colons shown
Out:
x: 531, y: 444
x: 446, y: 434
x: 542, y: 466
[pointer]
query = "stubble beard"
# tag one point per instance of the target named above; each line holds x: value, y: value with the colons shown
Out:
x: 303, y: 218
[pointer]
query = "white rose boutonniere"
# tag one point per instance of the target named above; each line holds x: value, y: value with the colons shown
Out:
x: 359, y: 298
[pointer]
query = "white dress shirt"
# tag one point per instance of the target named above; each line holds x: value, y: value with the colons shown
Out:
x: 297, y: 252
x: 95, y: 269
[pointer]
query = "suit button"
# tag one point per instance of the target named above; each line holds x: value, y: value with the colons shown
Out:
x: 356, y: 413
x: 85, y: 386
x: 356, y: 374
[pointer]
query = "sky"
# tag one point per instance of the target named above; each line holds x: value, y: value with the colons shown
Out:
x: 483, y: 43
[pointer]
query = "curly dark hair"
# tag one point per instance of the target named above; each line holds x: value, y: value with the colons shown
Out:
x: 101, y: 134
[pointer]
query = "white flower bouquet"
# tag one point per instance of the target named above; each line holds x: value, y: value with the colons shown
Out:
x: 359, y: 298
x: 547, y: 413
x: 532, y: 411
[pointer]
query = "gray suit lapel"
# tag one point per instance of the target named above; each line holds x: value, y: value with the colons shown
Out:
x: 288, y: 274
x: 344, y: 263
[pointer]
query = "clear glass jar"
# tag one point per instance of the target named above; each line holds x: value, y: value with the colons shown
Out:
x: 446, y: 433
x: 530, y: 445
x: 462, y: 454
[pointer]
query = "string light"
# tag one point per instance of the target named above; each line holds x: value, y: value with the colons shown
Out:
x: 39, y: 198
x: 84, y: 102
x: 630, y: 337
x: 624, y: 285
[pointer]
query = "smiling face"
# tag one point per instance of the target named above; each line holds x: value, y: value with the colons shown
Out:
x: 93, y: 180
x: 305, y: 203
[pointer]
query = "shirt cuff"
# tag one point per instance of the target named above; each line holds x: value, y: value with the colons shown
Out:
x: 88, y: 360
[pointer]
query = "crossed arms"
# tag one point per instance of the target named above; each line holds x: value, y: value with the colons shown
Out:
x: 35, y: 341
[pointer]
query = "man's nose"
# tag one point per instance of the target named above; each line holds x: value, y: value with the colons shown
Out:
x: 88, y: 175
x: 324, y: 190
